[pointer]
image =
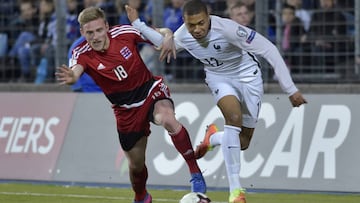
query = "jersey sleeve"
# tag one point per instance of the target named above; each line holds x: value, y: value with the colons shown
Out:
x: 77, y: 56
x: 253, y: 42
x: 71, y: 50
x: 178, y: 35
x: 73, y: 60
x: 149, y: 33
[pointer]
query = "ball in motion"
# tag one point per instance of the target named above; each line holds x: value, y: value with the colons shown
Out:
x: 195, y: 197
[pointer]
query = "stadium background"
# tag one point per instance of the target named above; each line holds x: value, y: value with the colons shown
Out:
x: 186, y: 70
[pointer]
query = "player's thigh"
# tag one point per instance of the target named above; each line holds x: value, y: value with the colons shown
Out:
x: 220, y: 86
x: 226, y: 96
x: 230, y: 107
x: 164, y: 105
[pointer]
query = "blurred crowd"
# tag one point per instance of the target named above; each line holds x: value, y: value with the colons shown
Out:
x: 313, y: 33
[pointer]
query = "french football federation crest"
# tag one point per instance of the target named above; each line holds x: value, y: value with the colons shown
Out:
x: 241, y: 32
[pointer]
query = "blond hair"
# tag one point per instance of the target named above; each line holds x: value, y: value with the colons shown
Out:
x: 90, y: 14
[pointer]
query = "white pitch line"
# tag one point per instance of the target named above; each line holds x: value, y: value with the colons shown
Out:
x: 83, y: 196
x: 64, y: 195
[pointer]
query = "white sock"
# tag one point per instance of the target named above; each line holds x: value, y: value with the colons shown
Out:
x: 231, y: 151
x: 216, y: 138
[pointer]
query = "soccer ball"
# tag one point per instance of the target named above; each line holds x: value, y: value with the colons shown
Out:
x: 195, y: 197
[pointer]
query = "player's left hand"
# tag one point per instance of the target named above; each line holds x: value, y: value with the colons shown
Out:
x: 297, y: 99
x: 132, y: 13
x: 167, y: 48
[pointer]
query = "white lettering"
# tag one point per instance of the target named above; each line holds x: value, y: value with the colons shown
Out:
x: 249, y: 168
x: 4, y: 133
x: 291, y: 159
x: 5, y: 121
x: 12, y: 133
x: 20, y: 134
x: 288, y: 150
x: 35, y: 132
x: 26, y: 133
x: 322, y: 143
x: 49, y: 135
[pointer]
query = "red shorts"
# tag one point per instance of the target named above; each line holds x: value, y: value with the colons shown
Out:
x: 133, y: 121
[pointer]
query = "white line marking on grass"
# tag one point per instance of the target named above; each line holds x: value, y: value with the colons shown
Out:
x: 64, y: 195
x: 83, y: 196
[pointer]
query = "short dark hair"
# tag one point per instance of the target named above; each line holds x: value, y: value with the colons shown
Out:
x: 193, y: 7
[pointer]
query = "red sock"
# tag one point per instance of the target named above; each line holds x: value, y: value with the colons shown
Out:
x: 138, y: 181
x: 182, y: 143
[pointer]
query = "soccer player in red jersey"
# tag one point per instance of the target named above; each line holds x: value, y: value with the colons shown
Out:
x: 110, y: 56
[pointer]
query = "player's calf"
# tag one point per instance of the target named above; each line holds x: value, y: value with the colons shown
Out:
x: 245, y: 137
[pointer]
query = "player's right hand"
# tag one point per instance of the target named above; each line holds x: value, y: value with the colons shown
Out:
x: 297, y: 99
x: 64, y: 75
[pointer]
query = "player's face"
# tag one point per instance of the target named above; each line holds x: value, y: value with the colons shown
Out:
x: 198, y: 24
x: 95, y: 33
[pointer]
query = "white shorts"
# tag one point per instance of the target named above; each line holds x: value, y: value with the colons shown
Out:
x: 248, y: 93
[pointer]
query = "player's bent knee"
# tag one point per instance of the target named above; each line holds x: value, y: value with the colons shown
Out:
x: 158, y: 119
x: 234, y: 120
x: 136, y: 168
x: 167, y: 120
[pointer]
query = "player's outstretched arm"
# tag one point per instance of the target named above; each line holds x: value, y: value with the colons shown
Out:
x: 297, y: 99
x: 164, y: 41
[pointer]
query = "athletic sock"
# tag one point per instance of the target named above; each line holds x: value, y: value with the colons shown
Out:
x: 183, y: 145
x: 138, y: 181
x: 216, y: 138
x: 231, y: 151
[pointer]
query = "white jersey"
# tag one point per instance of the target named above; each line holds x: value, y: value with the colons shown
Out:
x: 229, y: 50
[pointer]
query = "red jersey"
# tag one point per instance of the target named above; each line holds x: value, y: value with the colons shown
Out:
x: 119, y: 70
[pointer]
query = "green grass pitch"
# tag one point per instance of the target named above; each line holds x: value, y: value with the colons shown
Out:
x: 42, y: 193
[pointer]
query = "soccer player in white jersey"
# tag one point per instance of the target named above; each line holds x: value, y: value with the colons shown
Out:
x: 233, y: 75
